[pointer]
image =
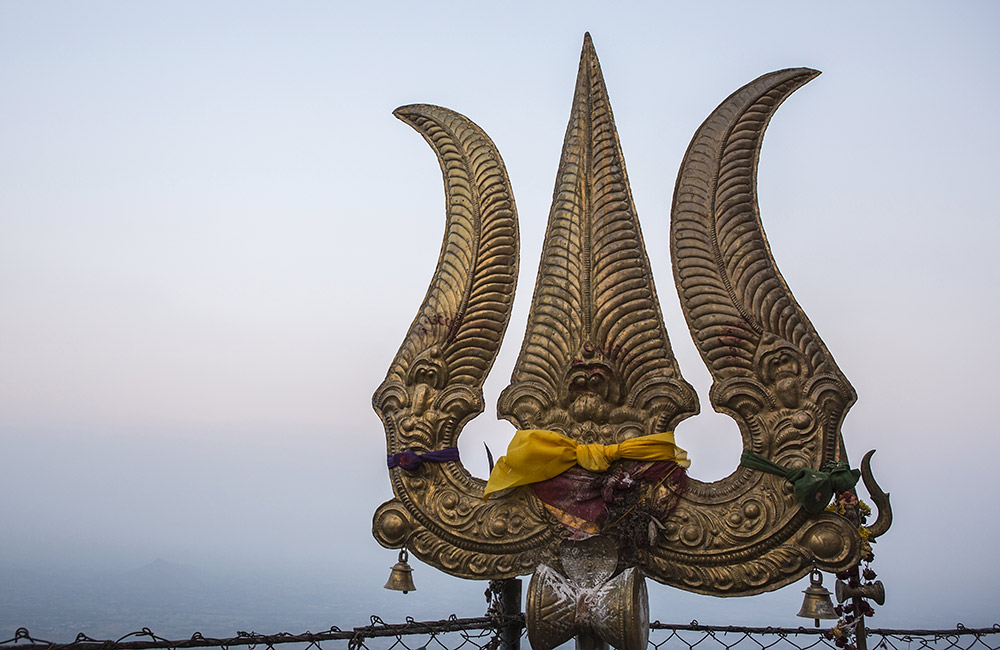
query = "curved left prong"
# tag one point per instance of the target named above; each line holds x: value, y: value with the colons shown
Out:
x: 434, y: 384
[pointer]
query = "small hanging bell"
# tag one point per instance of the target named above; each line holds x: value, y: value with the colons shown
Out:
x: 401, y: 577
x: 817, y: 603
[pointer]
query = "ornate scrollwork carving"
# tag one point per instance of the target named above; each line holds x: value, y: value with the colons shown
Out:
x: 434, y: 385
x: 596, y: 363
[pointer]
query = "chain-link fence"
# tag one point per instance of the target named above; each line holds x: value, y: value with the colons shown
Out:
x: 666, y: 636
x: 485, y: 633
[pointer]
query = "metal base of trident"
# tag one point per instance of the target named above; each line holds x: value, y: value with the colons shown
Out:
x: 587, y: 600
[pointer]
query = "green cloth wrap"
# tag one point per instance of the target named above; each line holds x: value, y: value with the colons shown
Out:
x: 812, y: 488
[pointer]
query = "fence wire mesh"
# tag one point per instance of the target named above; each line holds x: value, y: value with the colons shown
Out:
x: 484, y: 633
x: 666, y: 636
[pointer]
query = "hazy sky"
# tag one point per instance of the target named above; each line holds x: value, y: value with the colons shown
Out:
x: 214, y: 234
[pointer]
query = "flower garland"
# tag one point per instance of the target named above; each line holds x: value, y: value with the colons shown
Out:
x: 850, y: 506
x: 851, y: 612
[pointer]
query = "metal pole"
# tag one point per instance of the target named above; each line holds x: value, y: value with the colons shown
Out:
x: 860, y: 635
x: 510, y: 600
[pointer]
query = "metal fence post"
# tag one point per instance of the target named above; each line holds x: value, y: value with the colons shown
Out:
x: 510, y: 599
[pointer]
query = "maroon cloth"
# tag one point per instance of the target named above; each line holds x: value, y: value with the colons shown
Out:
x: 576, y: 491
x: 586, y: 495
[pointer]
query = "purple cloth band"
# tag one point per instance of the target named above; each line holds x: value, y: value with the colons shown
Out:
x: 411, y: 460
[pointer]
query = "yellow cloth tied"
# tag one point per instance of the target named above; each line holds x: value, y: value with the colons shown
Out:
x: 536, y: 455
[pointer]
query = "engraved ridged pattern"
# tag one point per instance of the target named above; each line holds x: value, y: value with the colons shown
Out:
x: 730, y: 287
x: 746, y: 533
x: 467, y: 306
x: 434, y: 385
x: 594, y: 284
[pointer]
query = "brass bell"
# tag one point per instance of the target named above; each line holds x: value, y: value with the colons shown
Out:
x: 874, y: 591
x: 401, y: 577
x: 817, y: 603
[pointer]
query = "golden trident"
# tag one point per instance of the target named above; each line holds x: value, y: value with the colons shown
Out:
x: 596, y: 366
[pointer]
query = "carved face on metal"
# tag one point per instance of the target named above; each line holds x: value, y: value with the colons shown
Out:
x: 418, y: 415
x: 428, y: 370
x: 425, y: 379
x: 592, y: 386
x: 781, y: 367
x: 596, y: 363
